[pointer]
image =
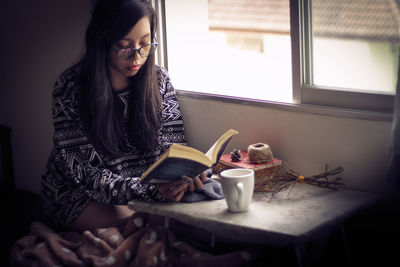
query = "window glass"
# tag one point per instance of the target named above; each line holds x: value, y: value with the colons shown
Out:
x: 230, y: 47
x: 356, y: 44
x: 243, y: 48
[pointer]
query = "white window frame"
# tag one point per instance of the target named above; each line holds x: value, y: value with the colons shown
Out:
x: 306, y: 98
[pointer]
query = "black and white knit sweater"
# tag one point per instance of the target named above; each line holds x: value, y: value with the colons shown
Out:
x: 76, y: 174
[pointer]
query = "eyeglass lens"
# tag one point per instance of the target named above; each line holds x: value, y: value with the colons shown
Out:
x: 129, y: 53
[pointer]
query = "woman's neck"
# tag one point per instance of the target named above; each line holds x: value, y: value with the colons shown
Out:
x: 120, y: 85
x: 119, y: 82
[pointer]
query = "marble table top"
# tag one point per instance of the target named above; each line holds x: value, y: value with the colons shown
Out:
x: 295, y: 215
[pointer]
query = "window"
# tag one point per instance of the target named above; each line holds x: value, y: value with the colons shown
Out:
x: 351, y: 52
x: 230, y: 48
x: 317, y: 52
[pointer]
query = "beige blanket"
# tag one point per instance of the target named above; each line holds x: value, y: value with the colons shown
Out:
x: 134, y: 241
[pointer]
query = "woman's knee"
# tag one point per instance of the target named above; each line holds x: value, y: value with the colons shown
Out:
x: 100, y: 215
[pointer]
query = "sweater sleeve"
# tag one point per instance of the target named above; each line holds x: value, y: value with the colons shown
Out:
x: 172, y: 123
x: 75, y: 161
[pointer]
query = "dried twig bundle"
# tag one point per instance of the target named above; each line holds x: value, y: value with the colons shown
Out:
x: 287, y: 177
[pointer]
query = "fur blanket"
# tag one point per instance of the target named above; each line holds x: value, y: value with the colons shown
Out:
x: 135, y: 241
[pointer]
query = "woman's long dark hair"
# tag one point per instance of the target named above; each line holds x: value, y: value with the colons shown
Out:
x: 111, y: 21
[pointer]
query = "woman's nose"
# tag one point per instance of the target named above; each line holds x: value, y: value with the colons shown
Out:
x: 136, y: 55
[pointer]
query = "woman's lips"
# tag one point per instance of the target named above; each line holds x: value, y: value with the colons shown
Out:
x: 134, y: 67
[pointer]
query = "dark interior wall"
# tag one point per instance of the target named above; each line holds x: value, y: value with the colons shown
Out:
x: 39, y: 39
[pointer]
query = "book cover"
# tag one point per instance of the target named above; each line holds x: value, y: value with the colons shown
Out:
x: 179, y: 160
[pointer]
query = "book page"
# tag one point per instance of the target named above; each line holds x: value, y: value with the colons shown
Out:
x: 209, y: 153
x: 217, y: 149
x: 181, y: 160
x: 187, y: 152
x: 178, y: 160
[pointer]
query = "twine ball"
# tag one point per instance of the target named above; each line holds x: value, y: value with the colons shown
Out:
x: 259, y: 153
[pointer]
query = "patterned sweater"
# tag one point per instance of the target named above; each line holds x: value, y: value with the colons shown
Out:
x: 76, y: 174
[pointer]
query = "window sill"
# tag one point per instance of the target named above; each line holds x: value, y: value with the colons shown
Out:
x: 310, y: 109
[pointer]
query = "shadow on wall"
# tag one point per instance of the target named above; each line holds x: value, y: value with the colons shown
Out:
x: 43, y: 38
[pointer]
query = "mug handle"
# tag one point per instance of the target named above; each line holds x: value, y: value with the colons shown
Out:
x: 239, y: 187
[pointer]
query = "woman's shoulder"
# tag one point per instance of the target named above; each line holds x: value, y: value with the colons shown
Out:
x: 162, y: 74
x: 67, y: 76
x: 164, y: 80
x: 161, y: 71
x: 67, y: 86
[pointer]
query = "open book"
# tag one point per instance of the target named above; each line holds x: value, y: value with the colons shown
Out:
x: 181, y: 160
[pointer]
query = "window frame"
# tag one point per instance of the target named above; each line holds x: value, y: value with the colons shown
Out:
x: 309, y: 99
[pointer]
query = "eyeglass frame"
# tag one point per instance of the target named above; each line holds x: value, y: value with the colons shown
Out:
x: 135, y: 50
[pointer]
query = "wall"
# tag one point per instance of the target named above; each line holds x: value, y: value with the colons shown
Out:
x: 39, y: 39
x: 306, y: 141
x: 42, y: 38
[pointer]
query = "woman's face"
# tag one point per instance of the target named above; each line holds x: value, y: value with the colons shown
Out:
x: 122, y: 69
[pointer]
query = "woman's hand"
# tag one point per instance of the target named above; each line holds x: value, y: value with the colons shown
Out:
x: 175, y: 190
x: 197, y: 182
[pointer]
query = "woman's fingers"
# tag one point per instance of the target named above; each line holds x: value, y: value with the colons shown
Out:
x: 178, y: 192
x: 177, y: 189
x: 203, y: 177
x: 179, y: 196
x: 173, y: 191
x: 191, y: 186
x: 197, y: 182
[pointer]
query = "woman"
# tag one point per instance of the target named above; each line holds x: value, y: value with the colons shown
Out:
x: 114, y: 113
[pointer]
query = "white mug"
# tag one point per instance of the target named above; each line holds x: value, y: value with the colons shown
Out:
x: 238, y: 186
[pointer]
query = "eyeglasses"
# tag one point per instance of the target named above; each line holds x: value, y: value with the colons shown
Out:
x: 127, y: 53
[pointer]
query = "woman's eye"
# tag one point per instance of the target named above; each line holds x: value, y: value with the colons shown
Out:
x: 123, y: 44
x: 144, y: 42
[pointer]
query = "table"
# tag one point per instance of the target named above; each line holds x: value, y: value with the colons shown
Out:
x: 294, y: 216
